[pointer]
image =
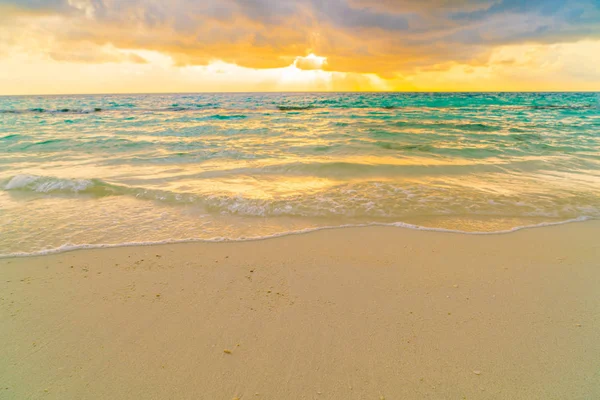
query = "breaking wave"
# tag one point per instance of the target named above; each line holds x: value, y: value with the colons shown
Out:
x: 375, y: 201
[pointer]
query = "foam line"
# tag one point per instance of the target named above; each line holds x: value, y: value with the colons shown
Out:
x: 72, y: 247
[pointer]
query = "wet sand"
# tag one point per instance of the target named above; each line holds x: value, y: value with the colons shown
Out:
x: 357, y: 313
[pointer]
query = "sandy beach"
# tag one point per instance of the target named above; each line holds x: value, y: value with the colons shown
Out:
x: 299, y: 200
x: 357, y: 313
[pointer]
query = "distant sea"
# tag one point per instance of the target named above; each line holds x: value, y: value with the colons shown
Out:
x: 81, y: 171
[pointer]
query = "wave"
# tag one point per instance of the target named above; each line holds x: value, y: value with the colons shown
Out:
x: 47, y: 185
x: 8, y: 137
x: 53, y: 111
x: 356, y: 169
x: 402, y: 225
x: 526, y: 137
x: 41, y: 184
x: 562, y: 106
x: 404, y: 147
x: 468, y: 127
x: 177, y: 107
x: 295, y: 108
x: 479, y: 127
x: 131, y: 108
x: 227, y: 117
x: 91, y: 110
x: 368, y: 200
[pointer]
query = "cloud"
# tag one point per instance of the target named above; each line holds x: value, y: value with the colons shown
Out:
x: 34, y: 4
x: 388, y: 38
x: 93, y: 54
x: 542, y: 67
x: 310, y: 62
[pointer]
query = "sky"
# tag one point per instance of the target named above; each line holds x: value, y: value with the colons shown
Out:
x: 148, y: 46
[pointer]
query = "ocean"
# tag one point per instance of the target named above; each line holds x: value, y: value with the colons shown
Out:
x: 100, y: 170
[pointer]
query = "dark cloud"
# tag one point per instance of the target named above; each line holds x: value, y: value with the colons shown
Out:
x: 35, y: 4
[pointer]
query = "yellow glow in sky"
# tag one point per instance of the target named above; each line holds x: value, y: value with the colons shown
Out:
x: 113, y: 46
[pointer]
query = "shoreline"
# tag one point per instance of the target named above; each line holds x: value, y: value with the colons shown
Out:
x: 353, y: 313
x: 402, y: 225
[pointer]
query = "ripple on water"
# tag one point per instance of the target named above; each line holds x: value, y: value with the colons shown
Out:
x: 126, y: 168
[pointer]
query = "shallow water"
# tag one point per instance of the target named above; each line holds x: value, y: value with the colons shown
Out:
x: 88, y: 170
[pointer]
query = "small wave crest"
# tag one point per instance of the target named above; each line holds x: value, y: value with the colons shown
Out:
x: 9, y: 137
x: 563, y: 106
x: 227, y: 117
x: 41, y: 184
x: 89, y: 187
x: 37, y: 110
x: 295, y: 108
x: 405, y: 147
x: 92, y: 110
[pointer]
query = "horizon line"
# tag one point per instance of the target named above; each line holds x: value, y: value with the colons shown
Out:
x: 304, y: 92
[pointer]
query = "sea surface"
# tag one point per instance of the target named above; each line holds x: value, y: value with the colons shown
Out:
x: 95, y: 170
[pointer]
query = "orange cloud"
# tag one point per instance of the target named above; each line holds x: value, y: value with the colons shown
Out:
x: 398, y: 44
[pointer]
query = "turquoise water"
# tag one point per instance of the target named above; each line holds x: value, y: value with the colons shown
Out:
x: 91, y: 170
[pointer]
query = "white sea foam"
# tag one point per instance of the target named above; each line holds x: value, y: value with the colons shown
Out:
x: 42, y: 184
x: 199, y: 166
x: 74, y: 247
